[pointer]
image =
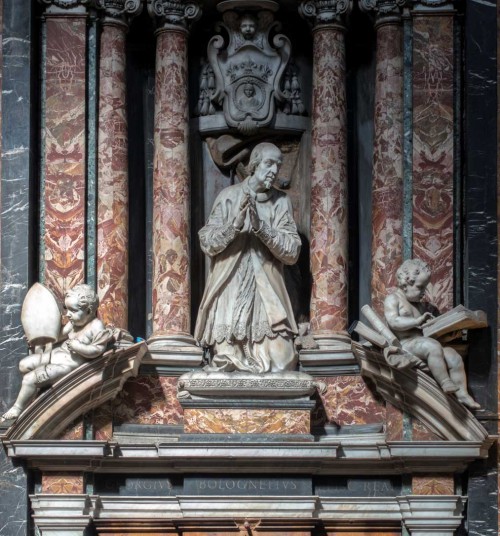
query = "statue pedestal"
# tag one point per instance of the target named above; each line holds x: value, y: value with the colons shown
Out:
x: 245, y: 403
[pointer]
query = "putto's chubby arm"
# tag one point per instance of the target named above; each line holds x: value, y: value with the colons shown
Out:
x: 97, y: 347
x: 217, y: 234
x: 398, y: 322
x: 282, y: 240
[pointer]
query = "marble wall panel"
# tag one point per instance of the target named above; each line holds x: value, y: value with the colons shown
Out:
x: 171, y: 281
x: 62, y: 483
x: 387, y: 189
x: 102, y: 421
x: 112, y: 205
x: 329, y: 185
x: 394, y: 428
x: 433, y: 485
x: 433, y: 143
x: 348, y: 401
x: 148, y: 400
x: 65, y: 146
x: 17, y: 255
x: 246, y: 421
x: 74, y: 431
x: 420, y: 432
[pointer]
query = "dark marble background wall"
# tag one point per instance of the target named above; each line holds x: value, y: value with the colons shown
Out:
x: 18, y: 233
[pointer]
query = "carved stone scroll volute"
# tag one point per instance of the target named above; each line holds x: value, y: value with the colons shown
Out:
x: 248, y: 69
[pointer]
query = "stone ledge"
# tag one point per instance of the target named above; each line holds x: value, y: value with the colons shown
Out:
x: 435, y: 514
x: 344, y: 456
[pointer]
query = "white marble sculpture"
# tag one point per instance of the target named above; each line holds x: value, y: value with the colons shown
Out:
x: 245, y: 316
x: 406, y: 316
x: 57, y: 349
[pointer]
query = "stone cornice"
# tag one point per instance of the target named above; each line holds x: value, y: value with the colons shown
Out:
x: 325, y: 12
x: 66, y: 7
x: 370, y: 455
x: 121, y: 11
x: 174, y: 14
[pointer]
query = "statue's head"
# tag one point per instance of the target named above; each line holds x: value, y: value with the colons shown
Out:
x: 413, y: 277
x: 248, y: 27
x: 249, y: 90
x: 81, y: 303
x: 265, y: 162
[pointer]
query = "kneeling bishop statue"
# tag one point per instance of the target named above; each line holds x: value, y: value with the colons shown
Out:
x: 245, y: 315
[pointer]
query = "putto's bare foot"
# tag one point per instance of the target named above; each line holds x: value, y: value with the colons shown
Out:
x: 12, y: 413
x: 467, y: 400
x: 449, y: 386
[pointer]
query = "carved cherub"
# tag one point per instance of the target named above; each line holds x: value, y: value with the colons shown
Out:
x: 406, y: 314
x: 83, y: 337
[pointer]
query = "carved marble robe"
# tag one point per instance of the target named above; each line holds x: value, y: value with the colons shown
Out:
x: 246, y: 305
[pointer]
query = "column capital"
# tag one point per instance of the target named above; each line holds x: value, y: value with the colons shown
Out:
x: 433, y: 6
x: 384, y: 10
x: 178, y: 14
x: 324, y: 12
x: 119, y: 11
x: 76, y: 7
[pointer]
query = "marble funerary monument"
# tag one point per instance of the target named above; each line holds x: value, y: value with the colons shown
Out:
x: 248, y: 267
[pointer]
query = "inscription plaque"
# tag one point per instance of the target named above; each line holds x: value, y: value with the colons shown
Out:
x: 247, y: 485
x: 137, y: 485
x: 357, y: 487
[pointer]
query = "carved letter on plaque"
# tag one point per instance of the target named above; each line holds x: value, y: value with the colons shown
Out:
x: 248, y: 71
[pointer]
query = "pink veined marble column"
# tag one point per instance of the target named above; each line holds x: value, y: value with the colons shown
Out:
x: 329, y: 232
x: 112, y: 205
x: 112, y: 199
x: 387, y: 185
x: 171, y: 182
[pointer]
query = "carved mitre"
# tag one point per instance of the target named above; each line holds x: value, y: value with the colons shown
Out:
x: 248, y: 68
x: 41, y: 316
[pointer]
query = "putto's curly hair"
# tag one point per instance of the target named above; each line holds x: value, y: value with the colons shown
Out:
x: 257, y: 154
x: 86, y: 296
x: 410, y: 269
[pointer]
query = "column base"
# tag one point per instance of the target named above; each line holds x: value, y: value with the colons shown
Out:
x: 333, y: 354
x: 178, y: 350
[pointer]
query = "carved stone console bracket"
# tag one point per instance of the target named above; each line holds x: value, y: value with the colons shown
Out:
x: 82, y: 390
x: 418, y: 394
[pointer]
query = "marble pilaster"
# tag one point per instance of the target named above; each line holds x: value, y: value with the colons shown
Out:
x: 433, y: 147
x: 112, y: 202
x: 64, y: 145
x: 16, y: 261
x: 387, y: 179
x: 171, y: 303
x: 329, y: 232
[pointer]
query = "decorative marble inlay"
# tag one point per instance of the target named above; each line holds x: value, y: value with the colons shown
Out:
x: 346, y: 401
x: 112, y: 207
x: 171, y: 228
x: 433, y: 152
x: 420, y: 432
x: 65, y: 148
x: 329, y: 185
x: 148, y: 400
x: 246, y: 421
x: 433, y: 485
x: 74, y: 431
x: 387, y: 189
x: 394, y: 423
x: 62, y: 483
